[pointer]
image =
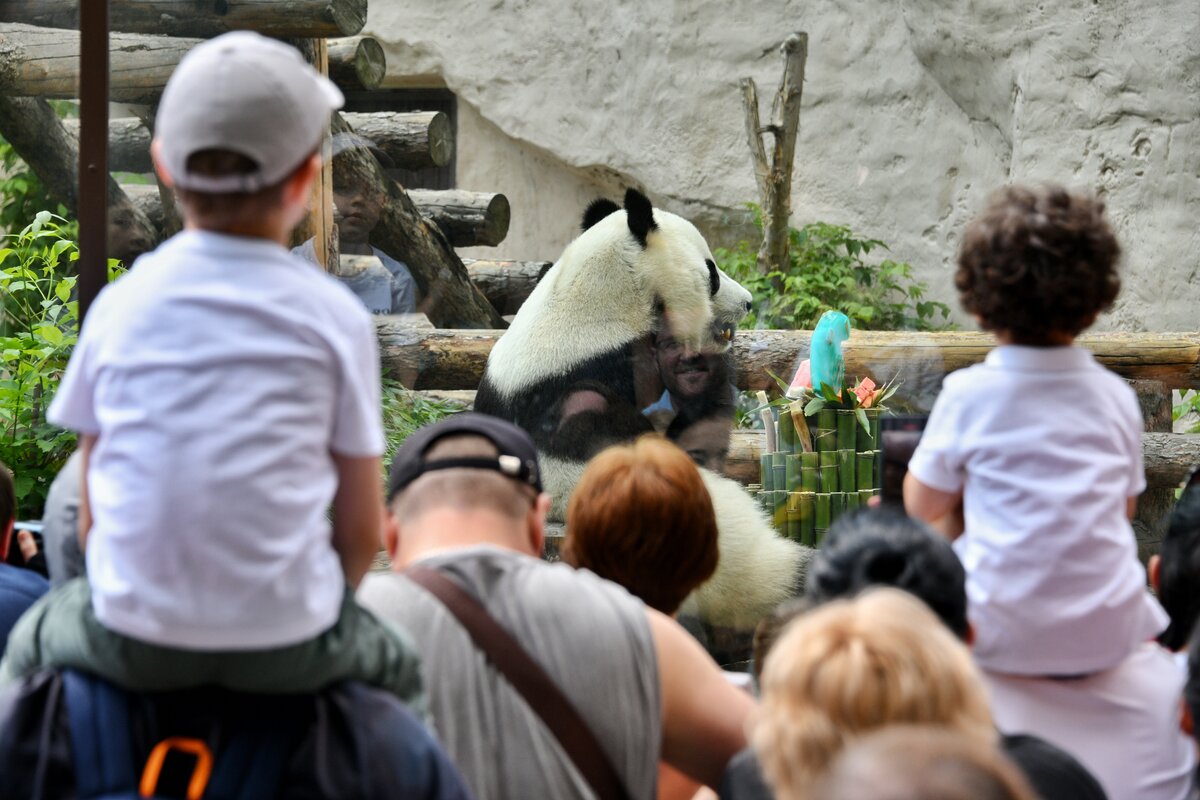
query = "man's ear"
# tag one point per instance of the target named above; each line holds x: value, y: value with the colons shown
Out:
x: 969, y: 639
x: 537, y: 524
x: 391, y: 534
x: 299, y: 186
x: 1186, y: 723
x: 1154, y: 572
x: 159, y: 168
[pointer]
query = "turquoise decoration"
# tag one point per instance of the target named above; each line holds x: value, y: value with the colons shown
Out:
x: 828, y: 364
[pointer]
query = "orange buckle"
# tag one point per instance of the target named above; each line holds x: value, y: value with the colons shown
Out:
x: 200, y: 773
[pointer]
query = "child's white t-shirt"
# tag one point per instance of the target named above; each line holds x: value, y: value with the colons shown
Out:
x: 1045, y: 445
x: 220, y: 374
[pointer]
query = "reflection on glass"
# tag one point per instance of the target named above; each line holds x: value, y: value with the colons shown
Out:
x: 383, y: 284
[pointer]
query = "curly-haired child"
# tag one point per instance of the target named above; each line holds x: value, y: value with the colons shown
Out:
x: 1040, y: 446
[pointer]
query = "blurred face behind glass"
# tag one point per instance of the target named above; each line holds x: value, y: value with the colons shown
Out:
x: 356, y: 210
x: 685, y: 373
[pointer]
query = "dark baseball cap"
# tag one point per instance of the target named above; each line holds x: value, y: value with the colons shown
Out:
x: 517, y: 457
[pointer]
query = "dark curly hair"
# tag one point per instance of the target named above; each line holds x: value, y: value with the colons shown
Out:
x: 1038, y: 262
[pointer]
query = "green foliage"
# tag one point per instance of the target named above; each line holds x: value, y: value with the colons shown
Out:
x: 405, y: 411
x: 39, y: 325
x: 1190, y: 404
x: 829, y: 270
x: 22, y: 193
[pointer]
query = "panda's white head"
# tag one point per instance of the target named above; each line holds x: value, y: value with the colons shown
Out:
x: 632, y: 268
x: 701, y: 304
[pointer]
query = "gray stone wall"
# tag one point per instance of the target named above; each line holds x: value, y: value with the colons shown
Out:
x: 914, y: 110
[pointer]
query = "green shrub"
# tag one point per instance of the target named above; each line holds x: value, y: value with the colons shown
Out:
x: 1190, y: 404
x: 39, y: 325
x: 404, y: 411
x: 829, y: 270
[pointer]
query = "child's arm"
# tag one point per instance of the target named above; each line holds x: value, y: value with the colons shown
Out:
x: 942, y: 510
x: 357, y: 514
x: 87, y: 441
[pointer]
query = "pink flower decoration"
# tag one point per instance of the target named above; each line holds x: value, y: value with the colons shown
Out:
x: 802, y: 379
x: 866, y: 392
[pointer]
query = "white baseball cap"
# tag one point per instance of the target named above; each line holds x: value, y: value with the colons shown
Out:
x: 248, y: 94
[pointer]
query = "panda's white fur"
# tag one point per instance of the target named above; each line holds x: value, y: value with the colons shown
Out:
x: 606, y: 291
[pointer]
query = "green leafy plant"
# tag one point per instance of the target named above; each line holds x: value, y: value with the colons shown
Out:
x: 39, y: 325
x: 405, y: 411
x: 829, y: 270
x: 1190, y: 404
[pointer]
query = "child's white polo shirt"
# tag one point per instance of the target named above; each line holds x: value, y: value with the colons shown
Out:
x: 1045, y: 445
x: 220, y: 375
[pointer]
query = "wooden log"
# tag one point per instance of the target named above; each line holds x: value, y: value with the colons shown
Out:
x: 128, y: 144
x: 1168, y: 456
x: 506, y: 284
x: 1173, y: 358
x: 44, y: 62
x: 146, y: 198
x: 52, y: 152
x: 1150, y: 519
x: 469, y: 219
x: 203, y: 18
x: 357, y: 62
x: 412, y: 140
x: 449, y: 298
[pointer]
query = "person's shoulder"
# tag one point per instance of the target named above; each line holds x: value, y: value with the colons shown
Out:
x: 24, y: 582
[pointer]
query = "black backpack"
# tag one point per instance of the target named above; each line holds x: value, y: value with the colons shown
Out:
x: 240, y: 760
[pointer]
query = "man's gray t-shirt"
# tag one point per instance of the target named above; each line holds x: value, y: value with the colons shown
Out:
x: 591, y: 636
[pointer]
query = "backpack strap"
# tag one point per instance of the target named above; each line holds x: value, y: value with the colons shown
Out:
x: 530, y: 680
x: 98, y: 714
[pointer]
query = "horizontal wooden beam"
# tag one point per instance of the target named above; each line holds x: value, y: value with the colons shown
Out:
x: 128, y: 144
x: 300, y: 19
x: 411, y: 139
x: 506, y: 284
x: 357, y: 61
x: 455, y: 359
x: 44, y: 62
x: 469, y: 219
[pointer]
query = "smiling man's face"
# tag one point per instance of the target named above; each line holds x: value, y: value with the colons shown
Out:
x: 685, y: 373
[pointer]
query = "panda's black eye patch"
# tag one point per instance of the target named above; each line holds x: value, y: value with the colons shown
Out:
x: 714, y: 277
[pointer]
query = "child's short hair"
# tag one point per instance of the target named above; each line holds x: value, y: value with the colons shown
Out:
x: 1038, y: 262
x: 220, y: 210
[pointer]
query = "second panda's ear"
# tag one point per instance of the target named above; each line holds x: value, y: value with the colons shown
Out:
x: 598, y: 210
x: 640, y: 214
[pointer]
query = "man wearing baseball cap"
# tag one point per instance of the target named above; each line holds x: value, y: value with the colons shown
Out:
x: 465, y: 534
x: 226, y: 394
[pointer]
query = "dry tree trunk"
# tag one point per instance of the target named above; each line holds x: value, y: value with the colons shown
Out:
x: 774, y: 177
x: 468, y: 219
x: 411, y: 139
x: 52, y: 152
x: 357, y: 60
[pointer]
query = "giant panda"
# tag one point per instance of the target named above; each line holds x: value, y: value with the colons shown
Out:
x: 564, y: 371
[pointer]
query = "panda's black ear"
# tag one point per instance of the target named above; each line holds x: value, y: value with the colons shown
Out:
x: 640, y: 214
x: 598, y: 210
x: 714, y: 277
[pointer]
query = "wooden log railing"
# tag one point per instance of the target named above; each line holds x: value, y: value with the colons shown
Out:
x: 506, y: 284
x: 357, y: 61
x: 44, y: 62
x: 412, y: 139
x: 455, y: 359
x: 476, y: 226
x: 469, y: 219
x: 300, y: 19
x: 1168, y: 456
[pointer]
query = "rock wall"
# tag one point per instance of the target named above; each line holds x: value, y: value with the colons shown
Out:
x: 913, y: 112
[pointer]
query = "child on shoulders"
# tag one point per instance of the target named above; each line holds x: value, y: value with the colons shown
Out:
x: 226, y: 394
x: 1039, y: 447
